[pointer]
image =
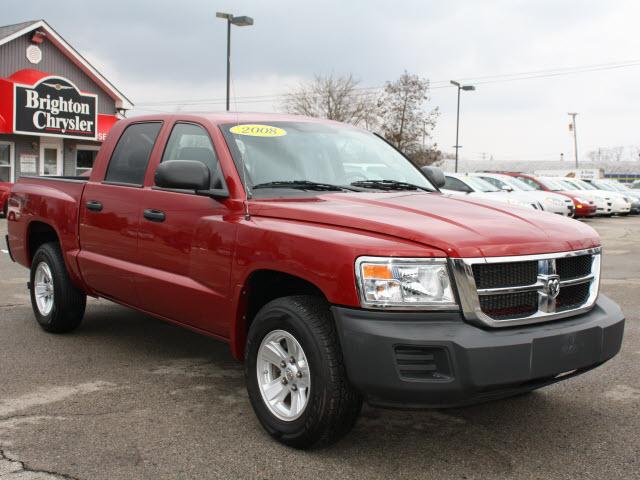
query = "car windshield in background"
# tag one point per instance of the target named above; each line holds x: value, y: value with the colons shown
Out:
x: 551, y: 184
x: 517, y: 184
x: 319, y: 157
x: 481, y: 185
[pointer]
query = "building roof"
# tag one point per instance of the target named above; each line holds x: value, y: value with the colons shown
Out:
x: 9, y: 32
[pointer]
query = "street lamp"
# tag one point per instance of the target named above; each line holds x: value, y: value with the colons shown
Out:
x: 465, y: 88
x: 242, y: 21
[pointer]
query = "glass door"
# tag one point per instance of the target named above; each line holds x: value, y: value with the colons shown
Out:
x: 6, y: 162
x: 51, y: 157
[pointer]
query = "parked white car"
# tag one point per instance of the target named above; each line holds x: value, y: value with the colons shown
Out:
x: 633, y: 197
x: 475, y: 187
x: 619, y: 206
x: 602, y: 204
x: 551, y: 202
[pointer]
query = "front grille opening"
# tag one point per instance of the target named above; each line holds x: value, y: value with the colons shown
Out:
x: 572, y: 296
x: 574, y: 267
x: 510, y: 305
x: 423, y: 363
x: 509, y: 274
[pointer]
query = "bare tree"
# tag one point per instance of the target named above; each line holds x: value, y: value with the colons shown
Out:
x: 334, y: 98
x: 616, y: 153
x: 402, y: 117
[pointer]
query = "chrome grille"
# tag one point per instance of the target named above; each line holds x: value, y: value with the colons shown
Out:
x: 504, y: 291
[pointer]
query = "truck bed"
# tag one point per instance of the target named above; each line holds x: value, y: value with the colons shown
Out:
x: 55, y: 202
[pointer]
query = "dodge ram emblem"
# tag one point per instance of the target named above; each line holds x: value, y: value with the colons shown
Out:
x: 553, y: 287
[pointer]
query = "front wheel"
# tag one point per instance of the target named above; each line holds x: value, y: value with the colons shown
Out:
x: 295, y: 374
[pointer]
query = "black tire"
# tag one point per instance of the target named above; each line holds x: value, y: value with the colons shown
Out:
x: 68, y: 301
x: 333, y: 404
x: 5, y: 209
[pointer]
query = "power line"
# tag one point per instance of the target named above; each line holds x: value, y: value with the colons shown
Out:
x: 434, y: 85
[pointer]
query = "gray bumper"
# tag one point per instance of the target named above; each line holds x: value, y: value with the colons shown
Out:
x: 436, y: 359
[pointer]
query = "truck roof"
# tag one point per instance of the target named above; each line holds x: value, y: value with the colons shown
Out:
x: 233, y: 117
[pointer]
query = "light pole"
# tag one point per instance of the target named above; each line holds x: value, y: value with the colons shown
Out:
x: 575, y: 135
x: 242, y: 21
x: 465, y: 88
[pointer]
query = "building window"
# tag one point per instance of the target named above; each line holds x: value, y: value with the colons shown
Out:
x: 6, y: 162
x: 85, y: 156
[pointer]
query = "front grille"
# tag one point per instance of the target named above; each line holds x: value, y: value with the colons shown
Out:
x: 508, y: 274
x: 574, y: 267
x: 527, y: 289
x: 416, y: 362
x: 572, y: 296
x: 510, y: 305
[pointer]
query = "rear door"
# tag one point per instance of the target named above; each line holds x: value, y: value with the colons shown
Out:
x: 110, y: 216
x: 186, y: 242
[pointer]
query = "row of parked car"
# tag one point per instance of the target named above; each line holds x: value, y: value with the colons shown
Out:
x: 566, y: 196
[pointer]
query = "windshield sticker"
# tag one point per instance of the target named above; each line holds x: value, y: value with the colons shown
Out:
x: 258, y: 130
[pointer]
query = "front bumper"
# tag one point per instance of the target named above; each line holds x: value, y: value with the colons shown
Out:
x: 436, y: 359
x: 585, y: 211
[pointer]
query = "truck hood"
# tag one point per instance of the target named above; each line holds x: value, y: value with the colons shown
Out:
x: 460, y: 227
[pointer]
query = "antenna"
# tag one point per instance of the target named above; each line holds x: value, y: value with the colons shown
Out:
x: 248, y: 194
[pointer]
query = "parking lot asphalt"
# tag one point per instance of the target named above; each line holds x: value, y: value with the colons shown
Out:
x: 130, y: 397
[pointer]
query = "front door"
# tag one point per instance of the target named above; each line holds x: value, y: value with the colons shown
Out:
x: 185, y: 243
x: 7, y: 162
x: 110, y: 217
x: 51, y: 156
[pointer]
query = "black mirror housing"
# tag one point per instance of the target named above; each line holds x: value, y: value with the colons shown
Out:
x: 183, y: 175
x: 435, y: 175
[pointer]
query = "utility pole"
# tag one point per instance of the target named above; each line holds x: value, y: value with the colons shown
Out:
x: 575, y: 135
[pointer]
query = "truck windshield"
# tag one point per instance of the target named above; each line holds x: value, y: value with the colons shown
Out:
x: 319, y: 157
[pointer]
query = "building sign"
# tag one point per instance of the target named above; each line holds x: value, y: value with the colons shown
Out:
x: 28, y: 163
x: 55, y: 107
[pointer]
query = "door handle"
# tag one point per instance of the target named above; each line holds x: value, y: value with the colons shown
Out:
x: 154, y: 215
x: 94, y: 206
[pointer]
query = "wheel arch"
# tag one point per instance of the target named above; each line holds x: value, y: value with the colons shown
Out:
x: 259, y: 288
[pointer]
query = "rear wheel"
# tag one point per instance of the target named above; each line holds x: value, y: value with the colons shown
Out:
x: 57, y: 304
x: 295, y: 374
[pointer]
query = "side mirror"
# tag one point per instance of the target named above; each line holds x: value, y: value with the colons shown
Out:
x: 183, y: 175
x: 506, y: 188
x: 434, y: 175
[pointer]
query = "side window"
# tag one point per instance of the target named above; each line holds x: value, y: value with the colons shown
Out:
x: 130, y: 158
x: 451, y: 183
x: 192, y: 142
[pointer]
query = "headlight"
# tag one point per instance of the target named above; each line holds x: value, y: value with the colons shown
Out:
x: 404, y: 282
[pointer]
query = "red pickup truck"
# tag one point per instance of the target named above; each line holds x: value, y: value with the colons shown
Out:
x: 334, y: 267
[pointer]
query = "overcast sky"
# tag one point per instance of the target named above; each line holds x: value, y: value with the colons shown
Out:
x: 160, y: 51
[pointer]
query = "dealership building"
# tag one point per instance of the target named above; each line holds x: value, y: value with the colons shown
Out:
x: 55, y: 107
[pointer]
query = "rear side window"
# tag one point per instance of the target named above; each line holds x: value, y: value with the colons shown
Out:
x: 130, y: 158
x: 192, y: 142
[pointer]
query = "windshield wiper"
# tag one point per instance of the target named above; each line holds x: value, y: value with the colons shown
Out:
x: 388, y: 185
x: 305, y: 185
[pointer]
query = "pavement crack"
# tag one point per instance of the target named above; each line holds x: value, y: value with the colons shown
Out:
x: 11, y: 305
x: 12, y: 467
